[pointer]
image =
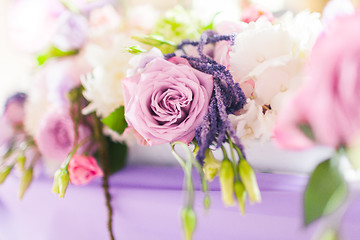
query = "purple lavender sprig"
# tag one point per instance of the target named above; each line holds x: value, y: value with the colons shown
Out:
x: 227, y: 97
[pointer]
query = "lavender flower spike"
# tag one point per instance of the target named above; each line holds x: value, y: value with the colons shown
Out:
x: 227, y: 97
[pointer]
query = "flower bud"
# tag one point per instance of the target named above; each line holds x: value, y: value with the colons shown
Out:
x: 207, y: 202
x: 25, y: 182
x: 329, y: 234
x: 63, y: 181
x: 240, y: 194
x: 249, y: 179
x: 211, y: 165
x: 188, y: 218
x: 227, y: 182
x: 4, y: 172
x: 55, y: 188
x: 21, y: 161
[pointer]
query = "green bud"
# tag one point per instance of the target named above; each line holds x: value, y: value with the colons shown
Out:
x: 188, y: 218
x: 207, y: 202
x: 25, y: 182
x: 329, y: 234
x: 211, y: 165
x: 63, y: 181
x: 21, y: 161
x: 240, y: 194
x: 227, y: 182
x: 4, y: 172
x: 249, y: 179
x: 55, y: 188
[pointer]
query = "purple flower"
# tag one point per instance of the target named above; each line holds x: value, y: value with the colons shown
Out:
x: 227, y: 98
x: 167, y: 101
x: 14, y: 112
x: 71, y: 33
x: 56, y: 135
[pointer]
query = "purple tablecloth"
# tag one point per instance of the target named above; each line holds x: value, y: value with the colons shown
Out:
x: 146, y: 203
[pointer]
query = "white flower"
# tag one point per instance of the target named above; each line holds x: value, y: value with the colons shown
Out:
x: 142, y: 18
x: 103, y: 86
x: 272, y: 56
x: 104, y: 21
x: 253, y: 123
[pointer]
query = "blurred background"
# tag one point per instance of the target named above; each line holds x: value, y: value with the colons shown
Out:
x: 15, y: 64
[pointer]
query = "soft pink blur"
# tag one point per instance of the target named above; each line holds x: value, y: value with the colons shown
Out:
x: 329, y: 102
x: 253, y: 13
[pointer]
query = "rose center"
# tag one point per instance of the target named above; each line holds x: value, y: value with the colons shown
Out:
x: 171, y: 106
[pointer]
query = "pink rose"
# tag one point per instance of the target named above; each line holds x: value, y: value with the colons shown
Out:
x: 253, y: 13
x: 56, y: 135
x: 329, y: 103
x: 83, y: 169
x: 167, y: 101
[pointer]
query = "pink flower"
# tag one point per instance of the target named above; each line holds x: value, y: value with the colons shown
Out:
x: 14, y: 109
x: 329, y: 103
x: 83, y: 169
x: 167, y: 101
x: 253, y: 13
x: 56, y: 135
x: 6, y: 132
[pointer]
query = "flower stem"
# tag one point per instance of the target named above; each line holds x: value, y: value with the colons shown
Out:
x: 233, y: 156
x: 105, y: 164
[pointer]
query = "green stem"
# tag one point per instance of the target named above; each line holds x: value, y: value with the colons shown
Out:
x: 233, y: 157
x: 187, y: 166
x: 241, y: 156
x: 103, y: 147
x: 224, y: 152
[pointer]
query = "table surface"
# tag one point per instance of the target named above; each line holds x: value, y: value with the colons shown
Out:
x: 147, y: 201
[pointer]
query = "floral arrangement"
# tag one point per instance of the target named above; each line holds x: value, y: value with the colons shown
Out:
x: 106, y: 78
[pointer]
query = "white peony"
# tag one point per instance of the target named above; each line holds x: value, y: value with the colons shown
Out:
x: 272, y: 57
x: 103, y: 88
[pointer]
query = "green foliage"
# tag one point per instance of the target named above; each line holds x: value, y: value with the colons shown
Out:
x: 178, y: 24
x: 52, y: 52
x: 157, y: 41
x: 306, y: 129
x: 117, y: 155
x: 116, y: 120
x: 325, y: 192
x: 135, y: 50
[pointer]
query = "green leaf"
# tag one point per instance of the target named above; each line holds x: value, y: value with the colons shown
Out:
x: 135, y: 50
x: 53, y: 52
x: 210, y: 26
x: 117, y: 155
x: 306, y: 129
x: 325, y: 192
x: 157, y: 41
x: 116, y: 120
